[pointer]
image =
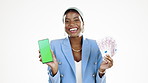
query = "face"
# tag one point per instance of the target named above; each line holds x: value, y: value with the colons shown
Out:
x: 73, y: 24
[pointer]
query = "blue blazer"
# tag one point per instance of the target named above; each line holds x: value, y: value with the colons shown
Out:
x: 91, y: 60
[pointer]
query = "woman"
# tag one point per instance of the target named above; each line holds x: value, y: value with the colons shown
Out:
x: 76, y: 54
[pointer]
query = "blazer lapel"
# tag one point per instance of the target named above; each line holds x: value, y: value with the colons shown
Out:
x: 66, y: 48
x: 85, y: 54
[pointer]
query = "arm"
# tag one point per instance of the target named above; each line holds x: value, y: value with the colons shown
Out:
x: 54, y: 74
x: 100, y: 76
x: 105, y: 64
x: 102, y: 66
x: 53, y: 78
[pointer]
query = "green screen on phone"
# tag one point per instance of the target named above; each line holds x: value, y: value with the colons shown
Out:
x: 45, y: 51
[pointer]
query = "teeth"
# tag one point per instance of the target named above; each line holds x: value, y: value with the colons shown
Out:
x: 73, y: 29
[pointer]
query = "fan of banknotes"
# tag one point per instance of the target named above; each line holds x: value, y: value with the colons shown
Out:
x: 108, y: 46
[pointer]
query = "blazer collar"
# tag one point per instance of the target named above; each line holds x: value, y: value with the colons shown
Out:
x: 85, y: 54
x: 66, y: 48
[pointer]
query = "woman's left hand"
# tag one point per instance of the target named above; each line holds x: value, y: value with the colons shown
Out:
x: 107, y: 63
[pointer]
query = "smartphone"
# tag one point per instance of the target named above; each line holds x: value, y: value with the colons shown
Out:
x: 45, y: 51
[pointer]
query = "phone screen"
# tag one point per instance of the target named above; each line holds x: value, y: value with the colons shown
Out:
x: 45, y: 51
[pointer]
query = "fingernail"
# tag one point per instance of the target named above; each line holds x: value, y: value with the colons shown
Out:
x: 106, y: 62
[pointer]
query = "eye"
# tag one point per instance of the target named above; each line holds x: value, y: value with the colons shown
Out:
x: 76, y: 20
x: 66, y: 21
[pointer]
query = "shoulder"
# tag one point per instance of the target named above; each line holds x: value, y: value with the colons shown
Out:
x: 91, y: 41
x: 57, y: 41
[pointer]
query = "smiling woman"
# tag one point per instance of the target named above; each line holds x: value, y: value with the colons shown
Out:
x: 75, y: 58
x: 74, y: 24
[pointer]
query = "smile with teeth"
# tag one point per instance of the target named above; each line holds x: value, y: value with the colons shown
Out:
x: 73, y: 29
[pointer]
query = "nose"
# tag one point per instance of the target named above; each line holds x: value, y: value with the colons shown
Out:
x: 72, y: 23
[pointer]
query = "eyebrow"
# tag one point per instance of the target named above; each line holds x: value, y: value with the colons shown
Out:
x: 73, y: 18
x: 76, y: 17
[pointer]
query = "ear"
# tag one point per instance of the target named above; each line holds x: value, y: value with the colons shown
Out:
x: 83, y: 24
x: 83, y: 27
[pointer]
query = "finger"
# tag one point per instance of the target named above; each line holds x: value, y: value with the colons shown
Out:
x: 109, y: 58
x: 54, y: 57
x: 39, y: 56
x: 52, y: 54
x: 40, y: 60
x: 106, y: 60
x: 109, y: 62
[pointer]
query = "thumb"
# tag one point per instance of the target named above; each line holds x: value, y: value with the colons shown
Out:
x: 53, y: 55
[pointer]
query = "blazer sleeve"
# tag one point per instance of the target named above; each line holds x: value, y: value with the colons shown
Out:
x: 56, y: 78
x: 100, y: 80
x: 99, y: 59
x: 103, y: 78
x: 53, y: 79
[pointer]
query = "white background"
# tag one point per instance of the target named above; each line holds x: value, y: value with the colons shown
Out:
x: 24, y: 22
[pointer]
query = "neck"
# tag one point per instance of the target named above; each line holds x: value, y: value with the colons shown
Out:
x: 76, y: 43
x: 76, y: 40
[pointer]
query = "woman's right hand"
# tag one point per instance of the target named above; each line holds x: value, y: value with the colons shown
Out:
x: 53, y: 65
